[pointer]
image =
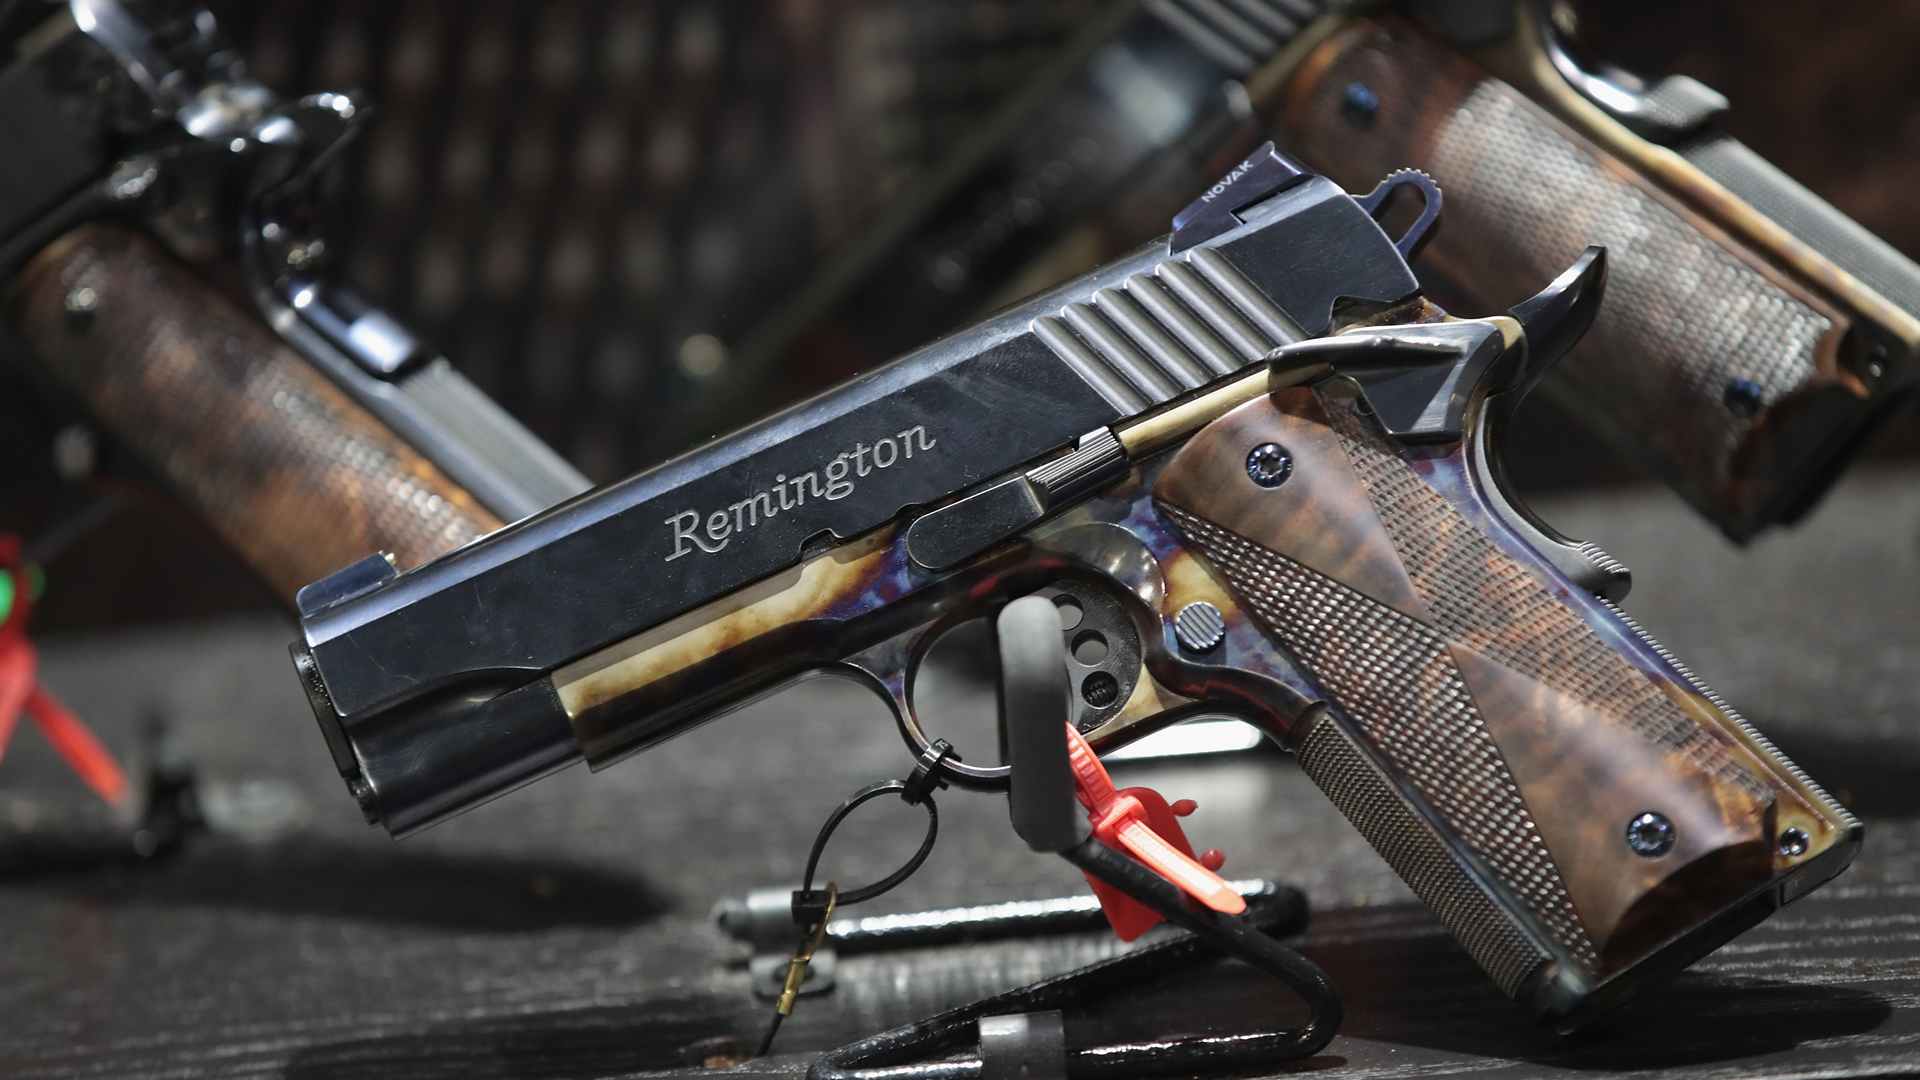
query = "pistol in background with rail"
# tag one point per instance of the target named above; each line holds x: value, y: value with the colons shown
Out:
x: 160, y: 230
x: 1253, y: 466
x: 1755, y: 338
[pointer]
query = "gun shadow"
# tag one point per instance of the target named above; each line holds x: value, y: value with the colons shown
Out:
x: 602, y: 1041
x: 317, y: 877
x: 1406, y: 981
x: 719, y: 1029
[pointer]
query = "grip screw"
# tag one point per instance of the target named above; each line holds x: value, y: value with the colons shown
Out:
x: 82, y: 304
x: 1794, y: 842
x: 1269, y: 465
x: 1200, y: 627
x: 1877, y: 359
x: 1650, y: 835
x: 1743, y: 398
x: 1359, y: 105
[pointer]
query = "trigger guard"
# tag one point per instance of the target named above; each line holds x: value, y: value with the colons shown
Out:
x: 1100, y: 688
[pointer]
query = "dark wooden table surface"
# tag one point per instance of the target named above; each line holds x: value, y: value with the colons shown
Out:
x: 566, y: 931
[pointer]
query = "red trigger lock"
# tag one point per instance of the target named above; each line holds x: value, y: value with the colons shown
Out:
x: 21, y: 692
x: 1139, y: 822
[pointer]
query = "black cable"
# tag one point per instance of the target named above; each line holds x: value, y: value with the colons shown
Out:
x: 797, y: 970
x: 901, y: 1054
x: 811, y: 909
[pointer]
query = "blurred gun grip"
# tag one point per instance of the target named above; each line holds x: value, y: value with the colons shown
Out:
x: 1742, y: 377
x: 299, y: 479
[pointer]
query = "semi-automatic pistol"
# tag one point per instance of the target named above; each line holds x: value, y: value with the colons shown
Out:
x: 1259, y: 473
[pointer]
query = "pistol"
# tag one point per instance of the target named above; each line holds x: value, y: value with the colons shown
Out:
x: 140, y: 168
x: 1258, y: 469
x: 1756, y: 338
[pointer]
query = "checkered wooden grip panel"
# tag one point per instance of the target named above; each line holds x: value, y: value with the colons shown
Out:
x: 1492, y: 734
x: 289, y: 471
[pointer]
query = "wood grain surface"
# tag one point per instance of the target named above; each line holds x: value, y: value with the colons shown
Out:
x: 293, y: 474
x: 564, y: 932
x: 1524, y: 733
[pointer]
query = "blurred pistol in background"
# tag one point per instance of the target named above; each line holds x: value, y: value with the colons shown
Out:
x: 1754, y: 338
x: 305, y: 425
x: 1256, y: 471
x: 1757, y: 338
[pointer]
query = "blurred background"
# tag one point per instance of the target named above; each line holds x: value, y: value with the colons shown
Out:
x: 636, y: 223
x: 609, y: 214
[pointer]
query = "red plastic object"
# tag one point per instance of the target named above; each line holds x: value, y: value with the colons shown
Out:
x: 1141, y: 823
x: 20, y: 691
